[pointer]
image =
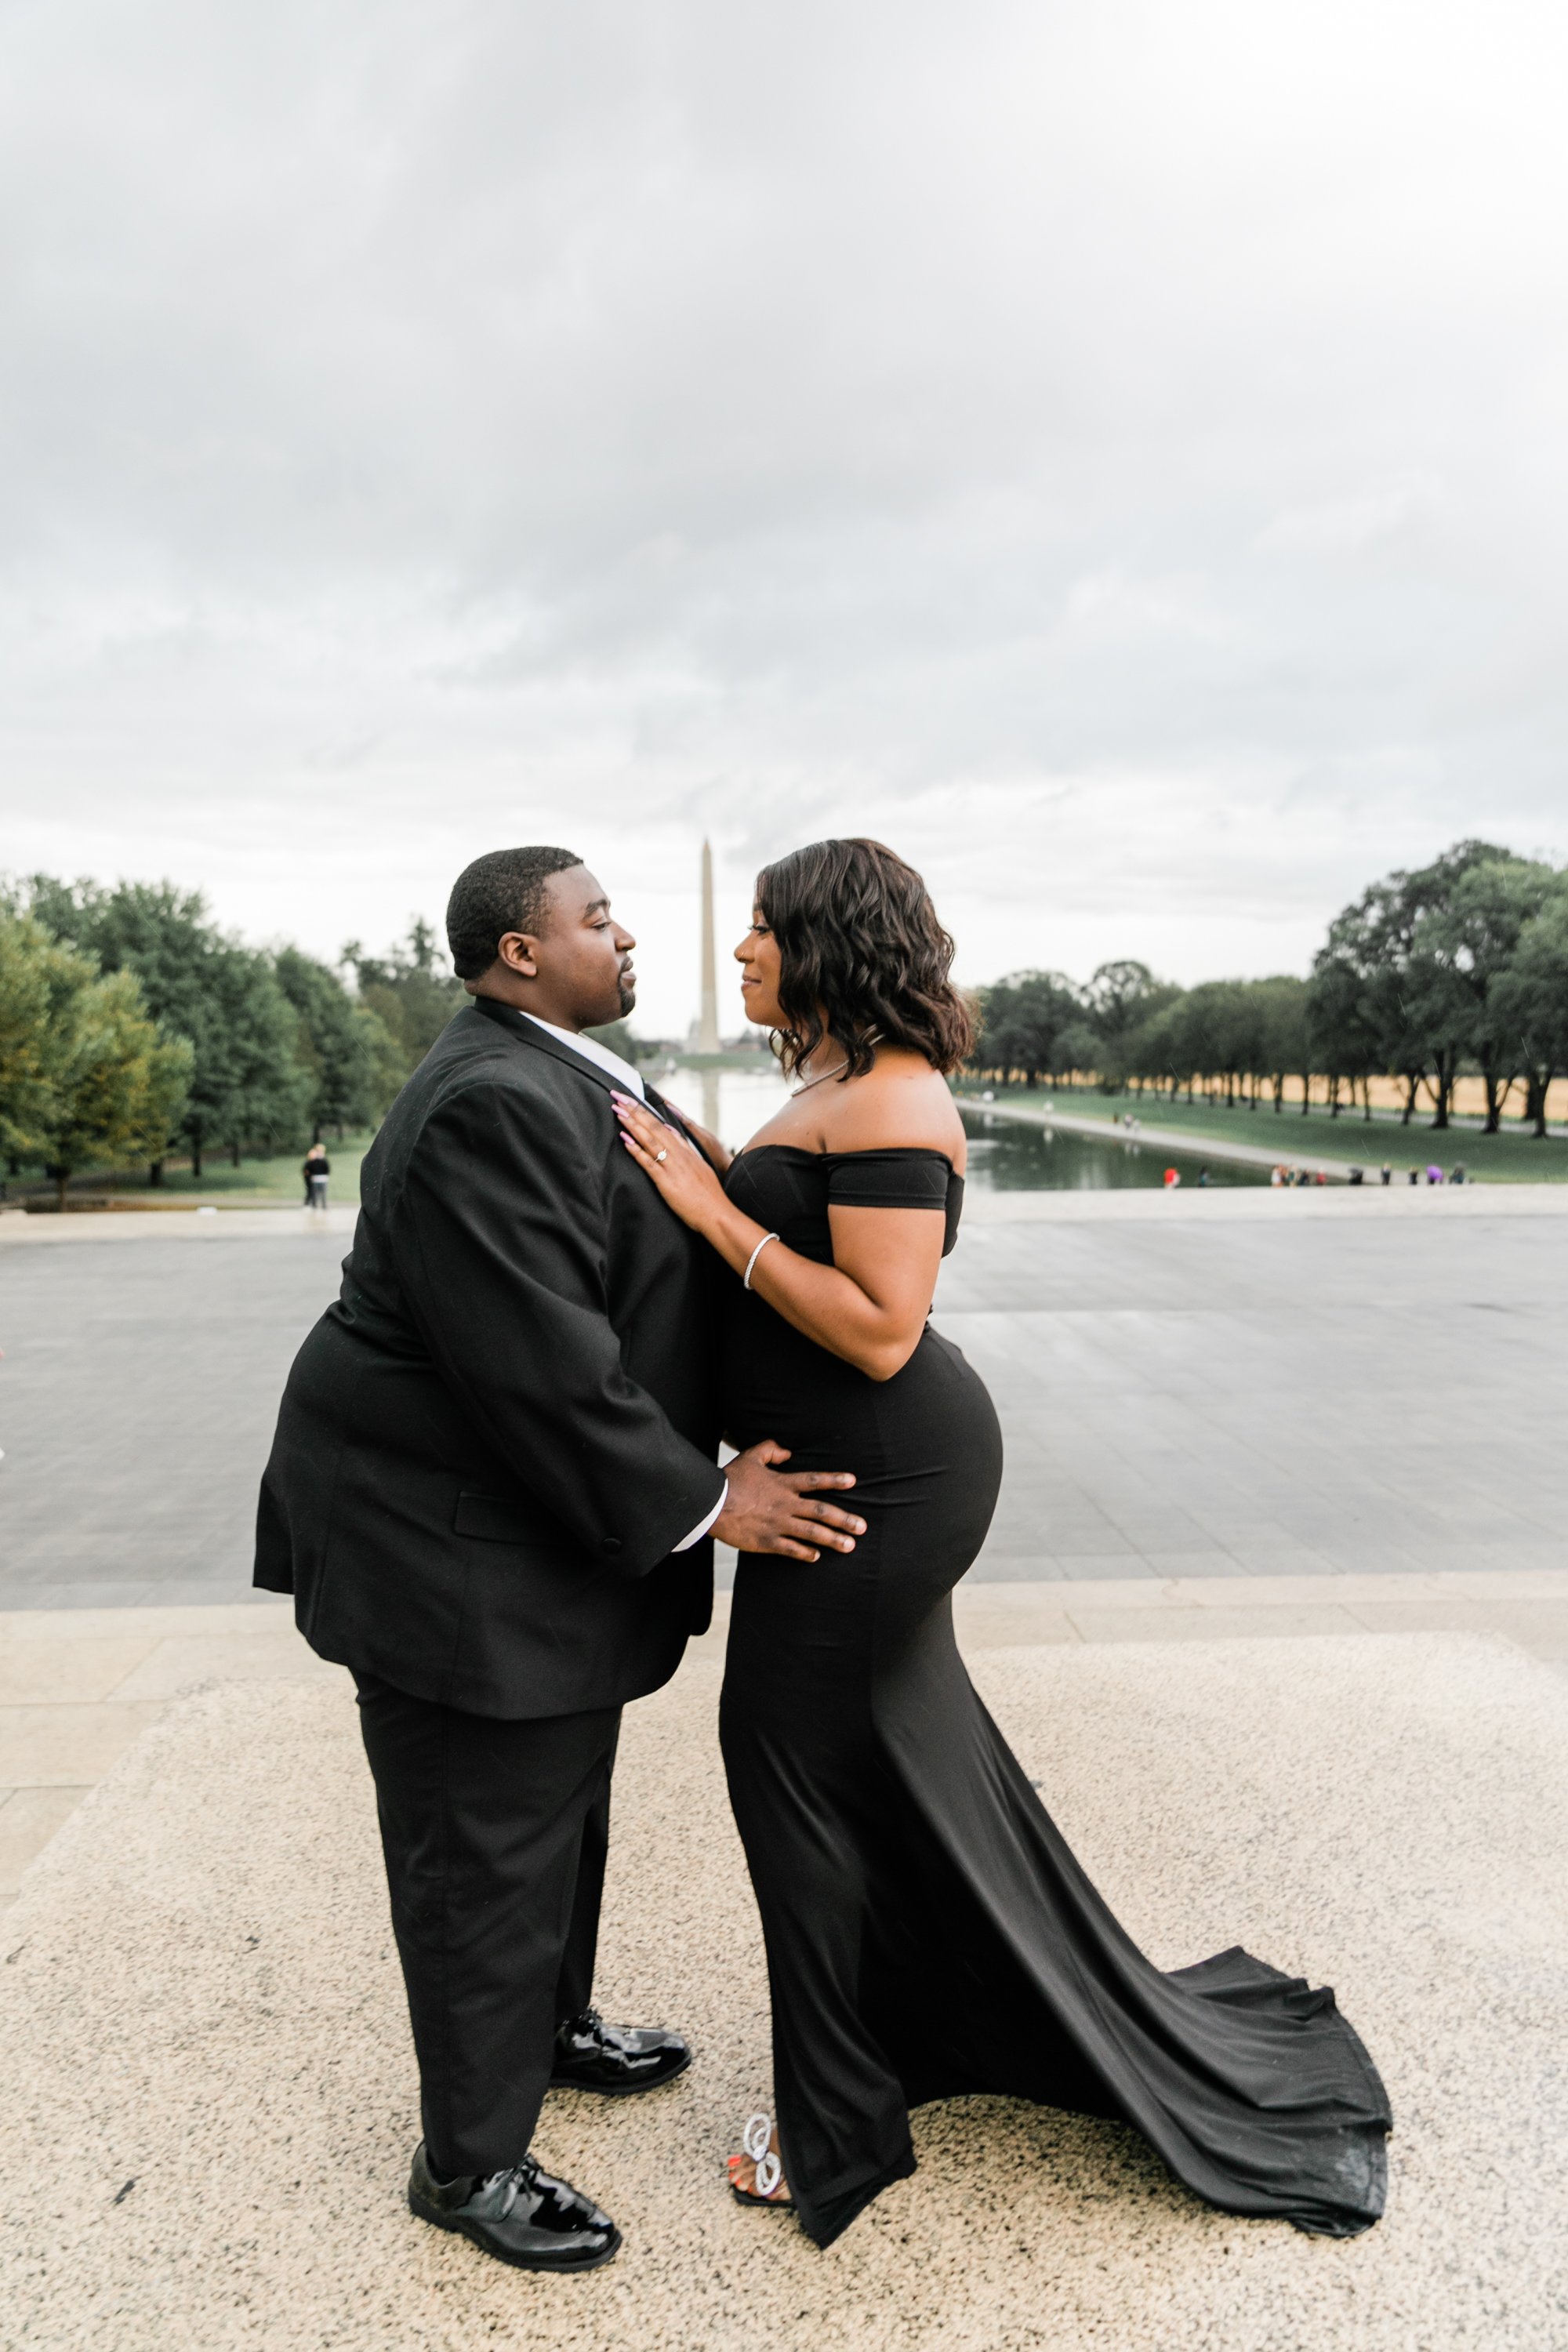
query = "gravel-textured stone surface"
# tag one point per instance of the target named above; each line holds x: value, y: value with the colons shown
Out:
x: 208, y: 2109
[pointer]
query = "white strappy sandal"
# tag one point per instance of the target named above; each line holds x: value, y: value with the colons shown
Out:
x: 757, y: 2140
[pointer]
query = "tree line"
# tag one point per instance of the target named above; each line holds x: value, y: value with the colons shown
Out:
x: 1452, y: 969
x: 132, y: 1028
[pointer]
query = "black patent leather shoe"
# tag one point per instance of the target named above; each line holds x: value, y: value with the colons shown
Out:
x: 616, y: 2060
x: 521, y: 2216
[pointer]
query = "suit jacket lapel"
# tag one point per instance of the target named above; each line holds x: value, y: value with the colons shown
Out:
x: 662, y: 1109
x: 538, y: 1041
x: 528, y: 1033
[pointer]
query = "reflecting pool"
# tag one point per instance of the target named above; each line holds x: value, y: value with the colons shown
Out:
x: 1005, y: 1155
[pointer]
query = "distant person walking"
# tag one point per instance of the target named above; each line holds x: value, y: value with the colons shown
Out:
x: 316, y: 1170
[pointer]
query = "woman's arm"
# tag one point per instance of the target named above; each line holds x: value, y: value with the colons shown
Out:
x: 869, y: 1308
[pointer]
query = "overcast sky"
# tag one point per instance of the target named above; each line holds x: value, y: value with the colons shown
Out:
x: 1113, y: 452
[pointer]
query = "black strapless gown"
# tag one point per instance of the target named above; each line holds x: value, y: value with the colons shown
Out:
x: 928, y: 1930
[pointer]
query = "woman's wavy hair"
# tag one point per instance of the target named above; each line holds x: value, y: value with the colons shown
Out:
x: 863, y: 958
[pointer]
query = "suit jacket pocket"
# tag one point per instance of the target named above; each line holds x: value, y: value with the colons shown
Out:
x: 497, y: 1518
x: 501, y: 1518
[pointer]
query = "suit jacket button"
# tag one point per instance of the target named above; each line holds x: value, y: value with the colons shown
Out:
x: 609, y: 1545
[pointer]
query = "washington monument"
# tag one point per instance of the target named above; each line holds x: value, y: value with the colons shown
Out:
x: 708, y: 1021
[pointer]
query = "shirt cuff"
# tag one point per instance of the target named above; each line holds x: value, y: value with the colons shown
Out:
x: 700, y: 1529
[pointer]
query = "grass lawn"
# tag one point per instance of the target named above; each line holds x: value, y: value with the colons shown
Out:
x: 277, y: 1179
x: 1513, y: 1158
x: 254, y: 1182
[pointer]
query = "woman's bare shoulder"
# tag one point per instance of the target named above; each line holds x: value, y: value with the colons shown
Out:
x: 903, y: 1101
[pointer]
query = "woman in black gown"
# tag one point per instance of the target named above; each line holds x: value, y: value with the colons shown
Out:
x: 927, y: 1931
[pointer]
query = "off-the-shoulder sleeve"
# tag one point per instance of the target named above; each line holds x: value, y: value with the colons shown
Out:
x: 895, y: 1179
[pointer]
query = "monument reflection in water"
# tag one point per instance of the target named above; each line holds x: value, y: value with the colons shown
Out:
x: 730, y: 1104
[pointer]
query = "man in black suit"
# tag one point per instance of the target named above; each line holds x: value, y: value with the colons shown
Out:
x: 493, y: 1493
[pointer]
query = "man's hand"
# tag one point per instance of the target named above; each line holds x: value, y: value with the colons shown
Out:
x: 771, y: 1510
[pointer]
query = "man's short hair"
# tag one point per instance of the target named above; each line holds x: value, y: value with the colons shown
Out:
x: 502, y: 891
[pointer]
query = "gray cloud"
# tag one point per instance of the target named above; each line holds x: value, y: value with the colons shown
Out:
x: 1111, y: 451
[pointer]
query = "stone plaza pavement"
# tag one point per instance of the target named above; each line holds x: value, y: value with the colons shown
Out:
x: 1227, y: 1413
x: 1276, y: 1608
x: 209, y: 2091
x: 1225, y: 1383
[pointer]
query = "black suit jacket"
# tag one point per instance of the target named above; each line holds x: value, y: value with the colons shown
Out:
x: 488, y: 1444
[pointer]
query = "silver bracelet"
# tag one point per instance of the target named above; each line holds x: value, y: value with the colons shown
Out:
x: 746, y: 1278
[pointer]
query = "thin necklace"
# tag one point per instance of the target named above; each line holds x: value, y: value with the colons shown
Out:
x: 833, y: 1072
x: 874, y: 1038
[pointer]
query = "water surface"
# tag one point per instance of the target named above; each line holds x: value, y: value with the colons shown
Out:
x: 1008, y: 1156
x: 1005, y: 1155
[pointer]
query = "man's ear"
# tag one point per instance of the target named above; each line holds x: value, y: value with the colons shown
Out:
x: 515, y: 950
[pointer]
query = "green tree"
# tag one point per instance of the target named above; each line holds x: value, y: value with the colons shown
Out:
x: 411, y: 989
x: 1120, y: 998
x: 1402, y: 959
x: 1469, y: 942
x: 1234, y: 1034
x: 1285, y: 1044
x: 250, y: 1085
x: 1243, y: 1032
x: 1192, y: 1038
x: 29, y: 1047
x: 352, y: 1064
x: 1357, y: 981
x: 116, y: 1082
x: 1033, y: 1022
x: 1342, y: 1037
x: 1528, y: 1003
x: 1156, y: 1049
x: 246, y: 1084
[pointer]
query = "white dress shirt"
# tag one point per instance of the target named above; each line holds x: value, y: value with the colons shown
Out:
x: 592, y: 1051
x: 623, y: 1072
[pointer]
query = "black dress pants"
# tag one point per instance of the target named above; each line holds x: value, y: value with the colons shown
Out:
x: 495, y: 1834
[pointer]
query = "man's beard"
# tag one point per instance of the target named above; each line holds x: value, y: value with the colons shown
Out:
x: 626, y: 991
